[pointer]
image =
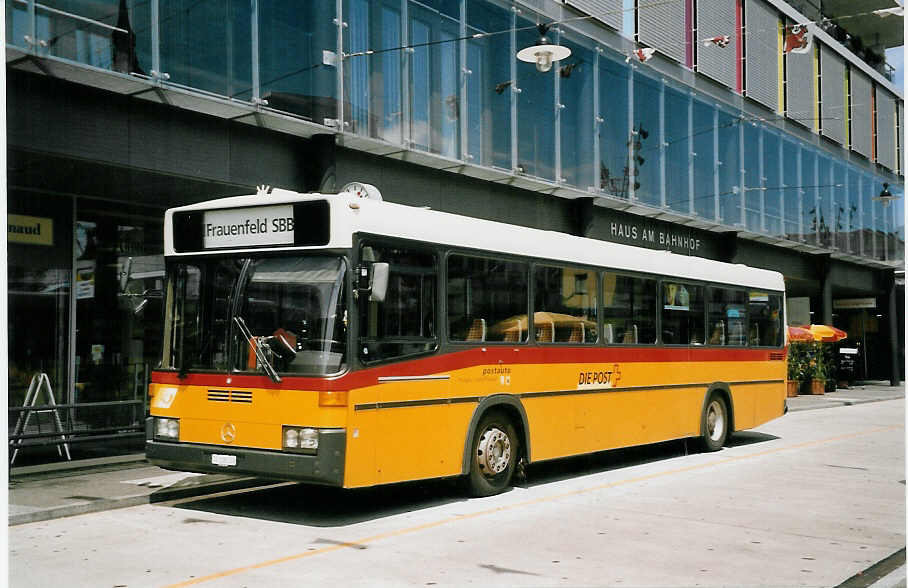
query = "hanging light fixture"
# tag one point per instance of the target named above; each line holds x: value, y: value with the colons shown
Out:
x: 885, y: 195
x: 543, y: 53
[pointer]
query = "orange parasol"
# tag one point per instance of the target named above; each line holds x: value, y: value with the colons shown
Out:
x: 826, y: 333
x: 799, y: 334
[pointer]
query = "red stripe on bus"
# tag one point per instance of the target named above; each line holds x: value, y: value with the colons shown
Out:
x: 506, y: 355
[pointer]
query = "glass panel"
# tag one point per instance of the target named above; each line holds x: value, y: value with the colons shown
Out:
x: 677, y: 150
x: 535, y: 111
x: 434, y: 85
x: 682, y: 314
x: 119, y: 281
x: 853, y: 185
x: 898, y: 228
x: 207, y: 44
x: 292, y: 39
x: 753, y: 183
x: 404, y: 323
x: 197, y: 303
x: 729, y: 169
x: 300, y: 302
x: 841, y: 224
x: 645, y: 140
x: 614, y: 133
x: 823, y: 214
x: 372, y: 83
x: 704, y: 160
x: 791, y: 193
x: 578, y: 167
x: 879, y: 226
x: 867, y: 240
x: 765, y: 314
x: 39, y: 272
x: 96, y: 33
x: 487, y: 299
x: 565, y: 301
x: 809, y: 195
x: 772, y: 176
x: 727, y: 317
x: 489, y: 85
x: 629, y: 309
x: 17, y: 23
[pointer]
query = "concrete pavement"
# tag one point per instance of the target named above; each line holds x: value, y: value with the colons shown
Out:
x: 49, y: 491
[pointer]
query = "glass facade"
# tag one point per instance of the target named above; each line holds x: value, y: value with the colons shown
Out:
x: 441, y: 76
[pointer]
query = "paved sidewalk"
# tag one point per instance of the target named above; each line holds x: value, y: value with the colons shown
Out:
x: 857, y: 394
x: 54, y: 490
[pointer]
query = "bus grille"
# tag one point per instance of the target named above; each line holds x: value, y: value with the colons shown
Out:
x: 774, y: 356
x: 230, y: 396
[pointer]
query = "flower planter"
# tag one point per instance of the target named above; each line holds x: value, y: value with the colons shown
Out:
x: 793, y: 386
x: 817, y: 386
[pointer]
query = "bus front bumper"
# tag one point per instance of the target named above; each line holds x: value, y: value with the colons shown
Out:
x: 326, y: 467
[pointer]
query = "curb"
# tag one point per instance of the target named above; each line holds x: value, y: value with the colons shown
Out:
x: 161, y: 495
x: 834, y: 403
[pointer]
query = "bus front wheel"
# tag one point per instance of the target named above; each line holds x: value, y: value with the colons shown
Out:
x: 494, y: 455
x: 714, y: 425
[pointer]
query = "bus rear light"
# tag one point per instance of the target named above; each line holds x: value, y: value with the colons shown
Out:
x: 332, y: 398
x: 300, y: 439
x: 167, y: 429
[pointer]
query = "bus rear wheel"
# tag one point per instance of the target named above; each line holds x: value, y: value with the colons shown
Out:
x: 714, y: 424
x: 493, y: 456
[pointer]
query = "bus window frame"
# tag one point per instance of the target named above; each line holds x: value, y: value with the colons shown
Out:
x: 630, y: 274
x: 437, y: 251
x: 484, y: 254
x: 661, y: 307
x: 531, y: 286
x: 717, y: 286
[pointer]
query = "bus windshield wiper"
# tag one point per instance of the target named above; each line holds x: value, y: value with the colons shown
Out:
x: 259, y: 354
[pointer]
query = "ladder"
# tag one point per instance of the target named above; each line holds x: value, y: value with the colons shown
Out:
x: 39, y: 382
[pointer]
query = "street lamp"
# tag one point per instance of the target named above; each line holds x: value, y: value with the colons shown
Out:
x: 543, y: 53
x: 885, y: 195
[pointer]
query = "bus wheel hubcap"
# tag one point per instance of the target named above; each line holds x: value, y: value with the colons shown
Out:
x: 715, y: 421
x: 494, y: 452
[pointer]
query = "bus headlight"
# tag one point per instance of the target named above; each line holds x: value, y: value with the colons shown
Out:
x: 300, y: 439
x: 167, y: 429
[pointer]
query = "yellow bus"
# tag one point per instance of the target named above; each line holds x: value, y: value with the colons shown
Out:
x: 342, y: 340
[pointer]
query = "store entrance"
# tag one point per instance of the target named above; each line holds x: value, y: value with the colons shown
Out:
x: 119, y: 274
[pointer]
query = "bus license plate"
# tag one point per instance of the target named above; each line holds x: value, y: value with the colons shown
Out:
x: 223, y: 460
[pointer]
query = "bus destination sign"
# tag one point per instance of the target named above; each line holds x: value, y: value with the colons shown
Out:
x: 248, y: 227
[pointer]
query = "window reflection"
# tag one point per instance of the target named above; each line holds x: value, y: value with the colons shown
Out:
x: 772, y: 176
x: 677, y: 150
x: 613, y: 129
x: 645, y: 149
x: 729, y: 156
x: 535, y: 112
x: 575, y: 74
x: 489, y: 85
x: 792, y: 192
x: 704, y: 159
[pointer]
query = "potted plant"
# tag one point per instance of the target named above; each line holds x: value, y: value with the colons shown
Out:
x: 817, y: 368
x: 796, y: 355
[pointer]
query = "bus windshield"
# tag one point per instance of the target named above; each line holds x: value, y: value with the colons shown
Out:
x: 242, y: 314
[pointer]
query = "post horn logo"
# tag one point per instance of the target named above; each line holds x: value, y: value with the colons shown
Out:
x: 228, y: 432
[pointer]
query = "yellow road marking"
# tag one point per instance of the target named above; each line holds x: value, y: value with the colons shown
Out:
x: 553, y: 497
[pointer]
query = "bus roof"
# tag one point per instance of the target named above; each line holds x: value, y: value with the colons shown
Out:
x: 350, y: 215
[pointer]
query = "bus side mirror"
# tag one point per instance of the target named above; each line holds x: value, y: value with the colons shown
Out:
x: 372, y: 279
x: 380, y: 271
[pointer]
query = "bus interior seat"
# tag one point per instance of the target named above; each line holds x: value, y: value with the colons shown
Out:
x: 608, y: 334
x: 545, y: 332
x: 577, y: 334
x: 477, y: 330
x: 630, y: 335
